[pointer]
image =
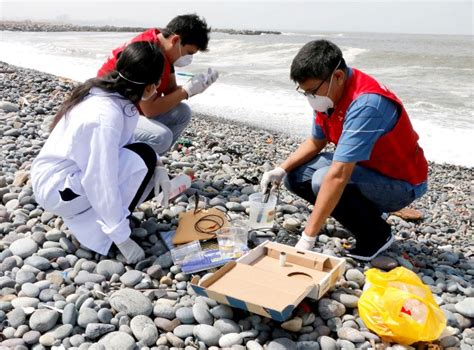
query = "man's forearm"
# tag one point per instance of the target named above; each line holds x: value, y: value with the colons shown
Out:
x: 305, y: 152
x: 163, y: 104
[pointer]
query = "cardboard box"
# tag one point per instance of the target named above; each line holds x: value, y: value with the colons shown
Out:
x: 257, y: 283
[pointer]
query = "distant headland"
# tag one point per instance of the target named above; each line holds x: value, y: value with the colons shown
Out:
x: 30, y: 26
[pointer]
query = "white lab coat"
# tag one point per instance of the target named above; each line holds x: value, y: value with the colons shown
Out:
x: 85, y: 153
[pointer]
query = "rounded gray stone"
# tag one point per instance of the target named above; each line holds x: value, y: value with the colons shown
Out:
x: 95, y: 330
x: 164, y: 311
x: 118, y: 340
x: 185, y: 315
x: 329, y: 308
x: 24, y: 247
x: 226, y: 326
x: 43, y: 320
x: 131, y: 278
x: 466, y: 307
x: 202, y: 315
x: 144, y: 330
x: 282, y: 344
x: 132, y: 302
x: 356, y: 276
x: 230, y: 339
x: 351, y: 334
x: 183, y: 331
x: 107, y: 268
x: 222, y: 311
x: 208, y: 334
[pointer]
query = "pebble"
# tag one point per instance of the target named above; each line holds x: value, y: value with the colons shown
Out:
x: 95, y: 330
x: 107, y: 268
x: 144, y: 329
x: 165, y: 311
x: 282, y: 344
x: 131, y: 278
x: 293, y: 325
x: 466, y: 307
x: 351, y: 334
x: 24, y: 247
x: 131, y: 302
x: 208, y: 334
x: 356, y: 276
x: 185, y: 315
x: 43, y: 320
x: 118, y: 340
x: 184, y: 331
x: 202, y: 314
x: 230, y: 339
x: 384, y: 263
x: 329, y: 308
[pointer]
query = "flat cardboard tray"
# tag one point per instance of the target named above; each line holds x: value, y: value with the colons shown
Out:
x: 256, y: 282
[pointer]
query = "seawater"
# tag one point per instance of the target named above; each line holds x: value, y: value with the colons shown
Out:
x: 432, y: 74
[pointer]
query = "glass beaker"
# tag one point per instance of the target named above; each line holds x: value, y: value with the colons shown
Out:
x: 233, y: 240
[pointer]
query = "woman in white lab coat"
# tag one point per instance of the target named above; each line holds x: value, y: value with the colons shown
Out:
x: 90, y: 171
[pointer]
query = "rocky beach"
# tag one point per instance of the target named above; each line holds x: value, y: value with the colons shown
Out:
x: 56, y: 293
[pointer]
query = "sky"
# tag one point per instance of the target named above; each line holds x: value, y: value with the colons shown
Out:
x: 382, y: 16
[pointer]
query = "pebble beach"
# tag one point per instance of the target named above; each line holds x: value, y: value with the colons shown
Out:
x: 54, y: 293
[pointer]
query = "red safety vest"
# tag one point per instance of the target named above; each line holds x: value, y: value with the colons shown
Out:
x: 149, y: 35
x: 396, y: 154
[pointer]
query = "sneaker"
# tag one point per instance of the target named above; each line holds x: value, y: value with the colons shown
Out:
x: 367, y: 252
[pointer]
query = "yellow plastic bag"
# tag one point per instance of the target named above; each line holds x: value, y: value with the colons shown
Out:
x: 400, y: 308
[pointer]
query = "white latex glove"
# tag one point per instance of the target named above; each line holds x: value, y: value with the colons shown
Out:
x: 275, y: 177
x: 196, y: 85
x: 132, y: 252
x: 212, y: 76
x: 162, y: 184
x: 306, y: 242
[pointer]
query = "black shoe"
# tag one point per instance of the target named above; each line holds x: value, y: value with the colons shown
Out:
x: 368, y: 250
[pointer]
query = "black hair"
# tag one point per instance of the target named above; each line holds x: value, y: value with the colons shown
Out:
x: 316, y: 59
x: 192, y: 29
x: 138, y: 65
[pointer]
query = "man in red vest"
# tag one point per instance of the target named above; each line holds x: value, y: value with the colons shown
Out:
x: 377, y: 166
x: 166, y: 116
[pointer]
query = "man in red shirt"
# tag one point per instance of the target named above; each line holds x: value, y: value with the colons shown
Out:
x: 165, y: 115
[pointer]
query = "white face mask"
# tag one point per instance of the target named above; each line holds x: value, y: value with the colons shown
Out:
x: 322, y: 103
x: 151, y: 95
x: 183, y: 60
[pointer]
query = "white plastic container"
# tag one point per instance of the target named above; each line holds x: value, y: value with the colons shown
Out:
x: 261, y: 215
x: 179, y: 184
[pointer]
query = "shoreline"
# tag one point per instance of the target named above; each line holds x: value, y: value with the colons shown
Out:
x: 32, y: 26
x: 42, y: 266
x: 216, y: 118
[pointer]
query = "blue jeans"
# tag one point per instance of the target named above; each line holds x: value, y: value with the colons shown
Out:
x: 385, y: 193
x: 162, y: 131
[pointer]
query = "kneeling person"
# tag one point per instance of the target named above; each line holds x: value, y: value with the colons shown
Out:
x: 90, y: 171
x: 165, y: 115
x: 378, y: 165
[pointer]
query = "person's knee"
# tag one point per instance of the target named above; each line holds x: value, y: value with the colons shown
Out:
x: 318, y: 178
x: 182, y: 114
x: 161, y: 142
x: 146, y: 152
x: 291, y: 181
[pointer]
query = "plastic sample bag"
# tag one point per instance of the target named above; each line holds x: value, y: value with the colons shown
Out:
x: 399, y: 307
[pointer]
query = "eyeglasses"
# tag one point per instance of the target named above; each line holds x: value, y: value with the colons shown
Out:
x: 311, y: 92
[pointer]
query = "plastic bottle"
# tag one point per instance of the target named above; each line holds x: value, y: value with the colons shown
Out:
x: 179, y: 184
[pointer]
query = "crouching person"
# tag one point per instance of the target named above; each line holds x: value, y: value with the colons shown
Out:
x: 90, y: 172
